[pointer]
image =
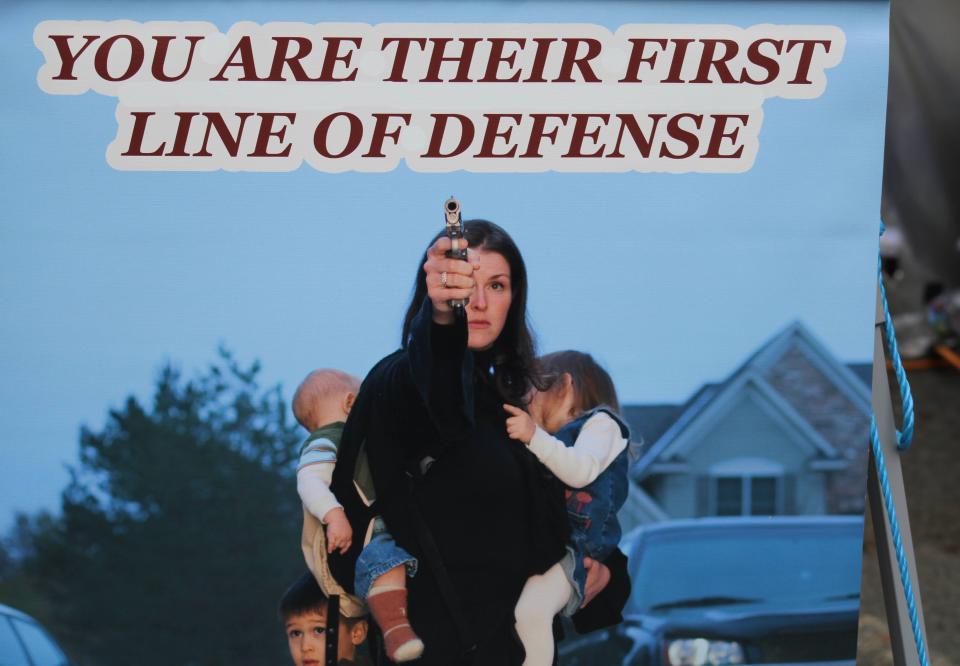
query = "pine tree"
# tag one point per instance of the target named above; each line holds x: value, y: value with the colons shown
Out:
x: 179, y: 530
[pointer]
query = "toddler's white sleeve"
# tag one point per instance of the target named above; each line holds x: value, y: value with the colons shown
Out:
x: 598, y: 443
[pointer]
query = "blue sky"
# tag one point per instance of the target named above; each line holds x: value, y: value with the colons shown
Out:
x: 669, y: 280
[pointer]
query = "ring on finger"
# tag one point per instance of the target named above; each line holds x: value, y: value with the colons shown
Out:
x: 443, y: 279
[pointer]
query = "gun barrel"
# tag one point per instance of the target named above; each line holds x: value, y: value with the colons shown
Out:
x: 451, y: 211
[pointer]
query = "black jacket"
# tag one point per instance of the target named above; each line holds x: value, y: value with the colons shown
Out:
x: 493, y: 512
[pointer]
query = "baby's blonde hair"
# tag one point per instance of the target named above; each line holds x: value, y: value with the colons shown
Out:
x: 314, y: 395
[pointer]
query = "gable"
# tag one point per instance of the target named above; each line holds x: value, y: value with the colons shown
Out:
x: 745, y: 410
x: 748, y: 428
x: 821, y: 402
x: 796, y: 353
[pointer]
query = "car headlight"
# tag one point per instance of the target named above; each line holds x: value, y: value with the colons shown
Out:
x: 701, y: 652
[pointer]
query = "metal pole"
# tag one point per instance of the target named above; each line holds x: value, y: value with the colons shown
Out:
x: 898, y: 617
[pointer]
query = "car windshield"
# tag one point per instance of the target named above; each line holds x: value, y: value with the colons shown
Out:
x: 713, y: 567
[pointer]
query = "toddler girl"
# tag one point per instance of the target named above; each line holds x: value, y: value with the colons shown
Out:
x: 588, y: 453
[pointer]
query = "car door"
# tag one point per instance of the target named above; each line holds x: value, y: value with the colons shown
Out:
x: 11, y: 647
x: 40, y: 647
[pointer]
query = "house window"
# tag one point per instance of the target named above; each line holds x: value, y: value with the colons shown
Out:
x: 763, y: 496
x: 729, y: 496
x: 746, y: 487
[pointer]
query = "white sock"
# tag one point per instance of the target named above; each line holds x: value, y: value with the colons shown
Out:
x: 542, y: 598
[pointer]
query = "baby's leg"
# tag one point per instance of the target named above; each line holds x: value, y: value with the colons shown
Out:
x: 542, y: 598
x: 382, y: 580
x: 387, y: 600
x: 395, y: 577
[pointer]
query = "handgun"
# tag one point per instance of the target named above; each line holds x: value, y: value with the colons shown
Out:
x: 454, y: 229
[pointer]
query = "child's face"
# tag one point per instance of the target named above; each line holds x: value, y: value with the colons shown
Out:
x: 307, y: 638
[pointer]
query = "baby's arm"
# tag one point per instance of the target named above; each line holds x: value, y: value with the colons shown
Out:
x: 599, y: 442
x: 313, y: 486
x: 314, y: 474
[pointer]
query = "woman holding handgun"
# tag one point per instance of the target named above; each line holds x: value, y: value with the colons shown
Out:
x: 473, y: 505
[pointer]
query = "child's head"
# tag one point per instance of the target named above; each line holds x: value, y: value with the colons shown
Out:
x: 575, y: 383
x: 303, y: 610
x: 324, y: 397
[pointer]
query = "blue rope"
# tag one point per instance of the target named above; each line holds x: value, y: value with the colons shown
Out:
x: 898, y: 543
x: 904, y: 439
x: 905, y: 436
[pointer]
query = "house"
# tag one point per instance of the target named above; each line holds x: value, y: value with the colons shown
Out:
x: 786, y: 433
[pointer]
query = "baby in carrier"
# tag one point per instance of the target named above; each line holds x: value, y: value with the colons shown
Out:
x: 588, y: 452
x: 321, y: 405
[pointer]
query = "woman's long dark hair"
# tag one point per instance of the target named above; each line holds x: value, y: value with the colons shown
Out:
x: 513, y: 352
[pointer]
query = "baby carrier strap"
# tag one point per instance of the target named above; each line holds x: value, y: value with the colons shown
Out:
x: 332, y: 634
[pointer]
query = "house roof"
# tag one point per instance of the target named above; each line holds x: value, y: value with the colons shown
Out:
x: 648, y: 422
x: 798, y: 337
x: 863, y: 372
x: 662, y: 425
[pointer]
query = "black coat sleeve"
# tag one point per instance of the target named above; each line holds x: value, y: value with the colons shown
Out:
x: 410, y: 404
x: 372, y: 430
x: 606, y: 608
x: 442, y: 370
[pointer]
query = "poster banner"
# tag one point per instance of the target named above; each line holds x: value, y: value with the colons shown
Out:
x: 607, y: 272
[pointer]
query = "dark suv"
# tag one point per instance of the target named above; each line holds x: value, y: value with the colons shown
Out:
x: 730, y: 591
